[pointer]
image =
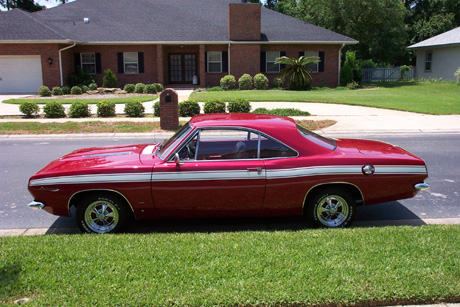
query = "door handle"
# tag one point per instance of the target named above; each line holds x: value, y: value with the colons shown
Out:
x: 255, y: 169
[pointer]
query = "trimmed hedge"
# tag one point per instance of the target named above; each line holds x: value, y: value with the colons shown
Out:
x: 245, y: 82
x: 214, y: 106
x: 129, y: 88
x: 134, y: 109
x: 106, y: 108
x: 228, y: 82
x: 139, y: 88
x: 159, y: 86
x: 260, y: 82
x: 44, y: 91
x: 57, y: 91
x: 79, y: 109
x: 239, y: 106
x: 76, y: 90
x: 29, y: 108
x: 150, y: 89
x: 156, y: 109
x: 189, y: 108
x: 54, y: 109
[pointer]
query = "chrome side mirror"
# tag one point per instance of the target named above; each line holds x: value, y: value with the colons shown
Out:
x: 177, y: 159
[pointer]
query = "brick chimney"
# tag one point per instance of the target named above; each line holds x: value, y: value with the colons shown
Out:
x: 244, y: 21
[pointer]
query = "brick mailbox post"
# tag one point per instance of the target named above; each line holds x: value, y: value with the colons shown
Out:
x: 169, y: 110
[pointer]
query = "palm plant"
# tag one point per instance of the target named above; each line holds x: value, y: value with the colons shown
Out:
x: 298, y: 71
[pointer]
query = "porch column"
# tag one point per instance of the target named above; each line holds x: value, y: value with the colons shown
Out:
x: 160, y: 65
x: 202, y: 66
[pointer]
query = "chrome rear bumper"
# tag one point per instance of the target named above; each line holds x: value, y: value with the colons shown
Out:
x: 421, y: 186
x: 36, y: 205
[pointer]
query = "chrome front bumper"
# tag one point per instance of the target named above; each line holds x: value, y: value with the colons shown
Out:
x: 421, y: 186
x: 36, y: 205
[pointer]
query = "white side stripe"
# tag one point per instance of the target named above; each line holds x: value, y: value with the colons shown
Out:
x: 229, y: 175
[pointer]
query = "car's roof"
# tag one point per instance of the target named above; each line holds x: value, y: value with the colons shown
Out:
x: 255, y: 121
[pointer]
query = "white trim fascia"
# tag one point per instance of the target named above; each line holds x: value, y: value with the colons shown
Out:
x: 433, y: 46
x: 36, y: 42
x: 219, y: 43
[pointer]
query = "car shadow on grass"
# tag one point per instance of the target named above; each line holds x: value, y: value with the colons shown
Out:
x: 385, y: 214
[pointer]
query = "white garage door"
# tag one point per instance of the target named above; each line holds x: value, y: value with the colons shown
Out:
x: 20, y: 74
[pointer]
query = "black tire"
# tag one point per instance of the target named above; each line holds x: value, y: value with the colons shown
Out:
x: 331, y: 208
x: 102, y: 213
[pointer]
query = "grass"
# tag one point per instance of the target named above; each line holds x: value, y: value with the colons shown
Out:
x: 365, y: 266
x: 427, y: 98
x: 109, y: 127
x: 77, y: 127
x: 120, y: 100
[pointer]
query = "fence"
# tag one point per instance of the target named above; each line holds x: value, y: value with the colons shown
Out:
x: 386, y: 74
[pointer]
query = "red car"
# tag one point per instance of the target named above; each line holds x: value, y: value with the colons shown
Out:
x: 228, y: 165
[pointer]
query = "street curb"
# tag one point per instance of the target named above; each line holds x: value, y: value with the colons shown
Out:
x: 382, y: 223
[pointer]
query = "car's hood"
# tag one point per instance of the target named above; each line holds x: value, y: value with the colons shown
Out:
x: 96, y: 159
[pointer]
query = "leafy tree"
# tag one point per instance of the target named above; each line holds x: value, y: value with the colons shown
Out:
x: 27, y: 5
x: 298, y: 71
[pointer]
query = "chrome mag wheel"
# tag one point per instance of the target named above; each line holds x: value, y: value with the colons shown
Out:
x: 332, y: 211
x: 101, y: 216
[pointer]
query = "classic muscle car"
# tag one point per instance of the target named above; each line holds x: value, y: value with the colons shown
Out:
x: 227, y: 165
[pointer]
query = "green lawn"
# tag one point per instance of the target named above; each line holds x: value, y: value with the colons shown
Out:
x: 429, y: 98
x: 120, y: 100
x: 365, y: 266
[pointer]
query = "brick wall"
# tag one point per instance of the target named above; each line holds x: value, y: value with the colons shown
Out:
x: 244, y: 21
x: 244, y: 59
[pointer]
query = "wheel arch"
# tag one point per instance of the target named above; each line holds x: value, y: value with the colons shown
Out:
x: 353, y: 189
x: 77, y: 196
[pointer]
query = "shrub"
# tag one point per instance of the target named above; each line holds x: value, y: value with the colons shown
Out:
x: 150, y: 89
x: 79, y: 109
x: 106, y: 108
x: 29, y: 108
x: 129, y: 88
x: 84, y: 88
x: 159, y: 86
x: 76, y: 90
x: 346, y: 75
x: 457, y: 74
x: 189, y: 108
x: 282, y: 112
x: 139, y: 88
x: 214, y: 106
x: 109, y: 80
x: 260, y: 82
x: 54, y: 109
x: 66, y: 90
x: 279, y: 82
x: 156, y: 109
x: 214, y: 89
x: 239, y: 106
x: 352, y: 85
x: 57, y: 91
x: 80, y: 77
x: 44, y: 91
x: 93, y: 86
x: 134, y: 109
x: 245, y: 82
x: 228, y: 82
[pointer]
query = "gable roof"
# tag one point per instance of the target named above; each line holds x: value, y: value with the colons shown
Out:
x: 154, y: 21
x: 449, y: 38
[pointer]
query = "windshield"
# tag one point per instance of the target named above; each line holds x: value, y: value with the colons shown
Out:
x: 317, y: 139
x: 168, y: 145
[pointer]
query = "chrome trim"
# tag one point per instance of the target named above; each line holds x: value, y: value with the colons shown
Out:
x: 101, y: 190
x: 421, y: 186
x: 36, y: 205
x: 330, y: 183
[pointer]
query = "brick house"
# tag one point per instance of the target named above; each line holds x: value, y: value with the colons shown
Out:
x: 165, y: 41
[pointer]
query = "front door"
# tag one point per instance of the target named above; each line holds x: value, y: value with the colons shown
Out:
x: 182, y: 68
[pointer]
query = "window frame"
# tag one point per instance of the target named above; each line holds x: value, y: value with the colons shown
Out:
x: 125, y: 62
x: 272, y: 62
x: 214, y: 62
x: 88, y: 63
x: 430, y: 61
x: 316, y: 55
x: 260, y: 134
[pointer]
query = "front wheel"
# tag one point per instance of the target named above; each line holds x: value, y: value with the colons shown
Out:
x: 331, y: 208
x: 100, y: 213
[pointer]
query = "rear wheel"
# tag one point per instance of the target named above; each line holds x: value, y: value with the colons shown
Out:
x: 331, y: 208
x: 102, y: 213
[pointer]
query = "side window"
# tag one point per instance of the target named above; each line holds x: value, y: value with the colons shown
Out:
x: 226, y: 144
x: 88, y: 63
x: 272, y: 149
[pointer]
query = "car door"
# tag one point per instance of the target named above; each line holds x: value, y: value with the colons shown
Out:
x: 218, y: 173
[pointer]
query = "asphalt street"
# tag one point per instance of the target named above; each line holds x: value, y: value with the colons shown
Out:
x: 22, y: 157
